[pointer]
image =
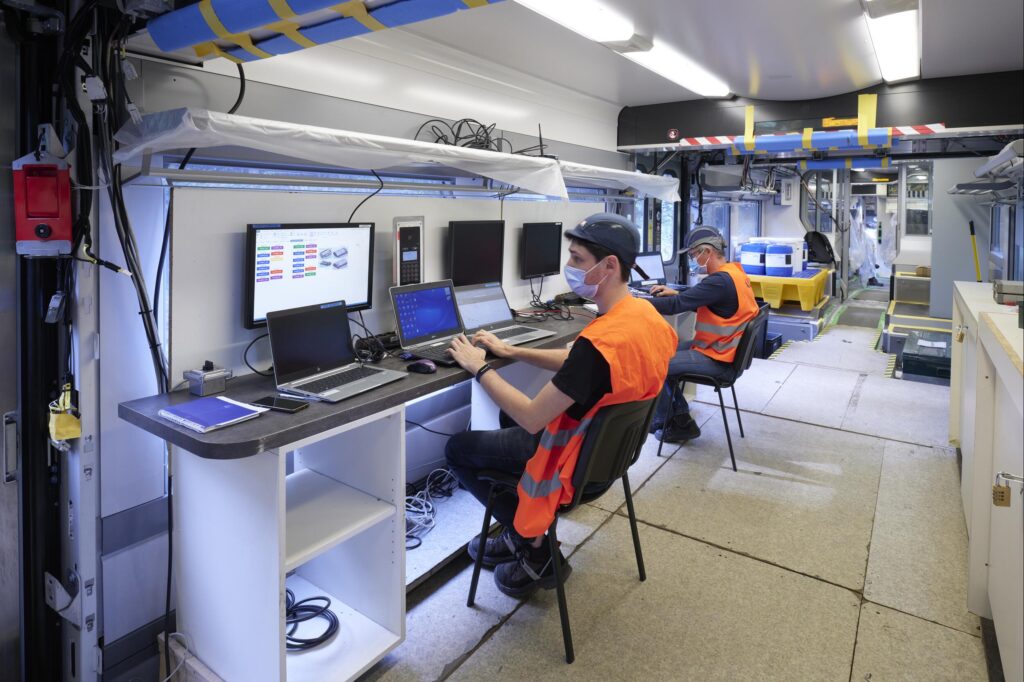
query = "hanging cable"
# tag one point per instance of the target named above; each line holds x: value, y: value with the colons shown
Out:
x: 367, y: 198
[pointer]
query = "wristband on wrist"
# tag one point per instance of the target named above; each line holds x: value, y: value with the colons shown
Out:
x: 482, y: 371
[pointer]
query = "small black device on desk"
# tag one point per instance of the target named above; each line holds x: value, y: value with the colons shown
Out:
x: 281, y: 404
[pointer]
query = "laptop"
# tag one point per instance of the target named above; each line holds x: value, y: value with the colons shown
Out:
x: 427, y: 319
x: 654, y: 271
x: 312, y: 352
x: 484, y: 306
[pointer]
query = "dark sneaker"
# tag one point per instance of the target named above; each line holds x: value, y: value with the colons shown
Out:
x: 680, y: 430
x: 496, y: 550
x: 531, y: 569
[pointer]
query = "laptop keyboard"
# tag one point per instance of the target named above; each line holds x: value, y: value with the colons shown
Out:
x: 339, y: 379
x: 512, y: 331
x: 438, y: 354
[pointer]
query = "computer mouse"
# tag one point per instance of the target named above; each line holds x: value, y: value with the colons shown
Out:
x: 422, y: 367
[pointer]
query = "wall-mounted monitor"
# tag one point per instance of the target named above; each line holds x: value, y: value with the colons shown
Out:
x: 475, y: 251
x: 295, y: 265
x: 541, y: 251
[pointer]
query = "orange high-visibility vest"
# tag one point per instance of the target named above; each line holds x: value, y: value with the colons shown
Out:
x: 637, y: 343
x: 717, y: 337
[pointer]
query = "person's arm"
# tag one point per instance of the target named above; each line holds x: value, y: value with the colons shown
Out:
x: 545, y: 358
x: 712, y: 291
x: 532, y: 414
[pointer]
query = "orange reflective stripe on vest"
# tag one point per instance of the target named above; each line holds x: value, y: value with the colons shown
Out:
x: 638, y: 362
x: 717, y: 337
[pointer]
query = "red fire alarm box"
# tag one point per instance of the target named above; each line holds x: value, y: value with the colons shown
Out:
x: 42, y: 205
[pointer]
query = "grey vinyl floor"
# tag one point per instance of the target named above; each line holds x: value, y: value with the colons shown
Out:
x: 837, y: 552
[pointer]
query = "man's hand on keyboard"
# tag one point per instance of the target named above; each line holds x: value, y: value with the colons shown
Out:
x: 662, y: 290
x: 492, y: 343
x: 469, y: 357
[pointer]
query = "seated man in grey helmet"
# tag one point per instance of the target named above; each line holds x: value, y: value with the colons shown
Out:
x: 724, y: 302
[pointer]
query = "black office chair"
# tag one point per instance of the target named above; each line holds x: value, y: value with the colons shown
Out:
x: 612, y: 444
x: 744, y: 356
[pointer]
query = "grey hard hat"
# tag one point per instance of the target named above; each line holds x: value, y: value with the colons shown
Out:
x: 613, y: 232
x: 700, y: 235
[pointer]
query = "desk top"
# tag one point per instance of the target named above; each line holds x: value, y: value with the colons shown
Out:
x: 276, y: 429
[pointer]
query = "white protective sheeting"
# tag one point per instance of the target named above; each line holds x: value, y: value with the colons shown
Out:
x: 189, y: 127
x: 582, y: 175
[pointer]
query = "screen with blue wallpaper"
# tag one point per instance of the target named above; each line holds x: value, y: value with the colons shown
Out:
x: 428, y: 313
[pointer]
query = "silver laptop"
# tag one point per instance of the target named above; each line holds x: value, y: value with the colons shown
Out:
x: 427, y: 319
x: 312, y: 353
x: 484, y: 306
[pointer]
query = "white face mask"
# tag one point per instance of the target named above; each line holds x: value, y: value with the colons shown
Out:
x: 576, y: 278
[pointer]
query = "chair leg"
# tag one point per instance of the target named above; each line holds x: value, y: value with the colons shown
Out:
x: 632, y: 527
x: 725, y: 420
x: 478, y: 564
x: 563, y: 609
x: 737, y: 405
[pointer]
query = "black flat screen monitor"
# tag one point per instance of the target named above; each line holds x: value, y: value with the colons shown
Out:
x: 475, y: 251
x: 541, y: 250
x: 300, y: 264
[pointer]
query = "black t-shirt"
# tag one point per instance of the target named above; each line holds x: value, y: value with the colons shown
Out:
x: 584, y: 377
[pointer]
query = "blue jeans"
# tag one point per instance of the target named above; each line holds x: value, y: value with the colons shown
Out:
x: 686, y: 361
x: 507, y: 449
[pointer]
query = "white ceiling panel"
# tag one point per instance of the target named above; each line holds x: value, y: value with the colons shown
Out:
x: 787, y: 49
x: 961, y: 37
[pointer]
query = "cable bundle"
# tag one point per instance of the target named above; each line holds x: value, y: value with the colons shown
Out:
x: 300, y: 612
x: 468, y: 132
x: 420, y: 508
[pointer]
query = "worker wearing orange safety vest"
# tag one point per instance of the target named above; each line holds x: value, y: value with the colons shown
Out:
x: 621, y: 356
x: 724, y: 301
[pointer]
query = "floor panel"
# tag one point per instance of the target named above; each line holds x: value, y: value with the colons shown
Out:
x: 702, y: 614
x: 803, y: 498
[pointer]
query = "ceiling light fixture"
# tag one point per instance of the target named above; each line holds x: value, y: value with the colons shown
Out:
x: 666, y: 61
x: 895, y: 39
x: 590, y: 18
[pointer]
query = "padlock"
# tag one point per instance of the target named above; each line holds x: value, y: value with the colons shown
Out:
x: 1001, y: 495
x: 959, y: 336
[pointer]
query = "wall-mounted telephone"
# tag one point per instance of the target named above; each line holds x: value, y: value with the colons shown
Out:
x: 408, y: 250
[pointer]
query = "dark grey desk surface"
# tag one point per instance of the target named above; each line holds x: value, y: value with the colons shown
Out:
x: 274, y: 429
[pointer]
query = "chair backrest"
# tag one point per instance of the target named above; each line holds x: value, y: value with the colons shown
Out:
x: 748, y: 342
x: 612, y: 444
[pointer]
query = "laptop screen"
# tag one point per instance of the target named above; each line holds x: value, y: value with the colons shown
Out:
x: 652, y: 264
x: 425, y: 312
x: 309, y: 340
x: 482, y: 304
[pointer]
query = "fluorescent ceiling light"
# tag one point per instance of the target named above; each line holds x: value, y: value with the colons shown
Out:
x: 680, y: 69
x: 590, y: 18
x: 895, y: 38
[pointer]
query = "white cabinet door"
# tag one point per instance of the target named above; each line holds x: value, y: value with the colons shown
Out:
x: 1006, y: 539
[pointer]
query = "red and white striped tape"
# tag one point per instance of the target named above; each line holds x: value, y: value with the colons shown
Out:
x: 930, y: 129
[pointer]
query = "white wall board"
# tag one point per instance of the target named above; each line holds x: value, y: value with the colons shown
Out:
x: 207, y: 254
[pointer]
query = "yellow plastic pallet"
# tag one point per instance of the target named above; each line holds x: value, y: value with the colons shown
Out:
x: 808, y: 292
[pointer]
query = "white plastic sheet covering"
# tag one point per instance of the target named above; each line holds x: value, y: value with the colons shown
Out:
x: 581, y: 175
x: 189, y: 127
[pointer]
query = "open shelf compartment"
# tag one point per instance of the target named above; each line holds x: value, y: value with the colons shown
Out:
x: 321, y: 512
x: 359, y: 643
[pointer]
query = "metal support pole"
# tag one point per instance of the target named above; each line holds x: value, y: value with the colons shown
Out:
x: 841, y: 207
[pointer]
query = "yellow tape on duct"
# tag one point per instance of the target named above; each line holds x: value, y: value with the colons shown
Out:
x: 474, y: 3
x: 355, y: 9
x: 241, y: 39
x: 808, y: 145
x: 290, y: 29
x: 867, y: 106
x: 748, y: 128
x: 204, y: 50
x: 832, y: 122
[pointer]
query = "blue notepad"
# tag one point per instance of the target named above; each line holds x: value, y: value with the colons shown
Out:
x: 210, y: 413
